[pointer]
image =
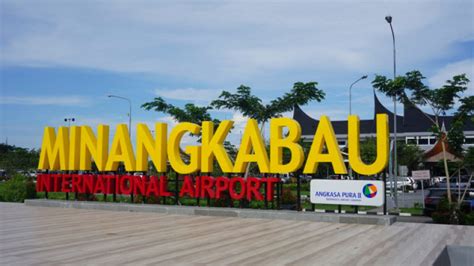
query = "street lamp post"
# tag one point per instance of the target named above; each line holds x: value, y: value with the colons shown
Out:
x: 350, y: 107
x: 129, y: 112
x: 350, y: 113
x: 350, y: 92
x: 129, y: 130
x: 395, y: 165
x: 69, y: 120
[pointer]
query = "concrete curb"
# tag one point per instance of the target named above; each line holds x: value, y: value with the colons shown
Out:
x: 221, y: 212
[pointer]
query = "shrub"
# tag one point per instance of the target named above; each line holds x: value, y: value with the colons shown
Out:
x: 287, y: 196
x: 86, y: 197
x: 468, y: 219
x: 153, y: 200
x: 446, y: 214
x: 224, y: 200
x: 17, y: 189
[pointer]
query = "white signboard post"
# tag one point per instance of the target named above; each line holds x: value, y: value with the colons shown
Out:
x: 421, y: 175
x: 347, y: 192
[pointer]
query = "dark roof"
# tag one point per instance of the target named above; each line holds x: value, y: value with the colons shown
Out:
x: 413, y: 120
x: 437, y: 148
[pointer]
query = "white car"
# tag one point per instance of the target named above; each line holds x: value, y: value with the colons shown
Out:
x: 285, y: 178
x: 402, y: 182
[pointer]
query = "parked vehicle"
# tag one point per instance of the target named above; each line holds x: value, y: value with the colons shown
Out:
x: 339, y: 177
x: 29, y: 173
x: 437, y: 179
x: 435, y: 195
x: 402, y: 183
x: 285, y: 178
x: 306, y: 178
x: 455, y: 182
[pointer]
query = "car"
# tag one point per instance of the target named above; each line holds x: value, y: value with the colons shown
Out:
x: 435, y: 195
x: 336, y: 177
x: 285, y: 178
x: 437, y: 179
x: 29, y: 173
x: 402, y: 183
x: 455, y: 182
x: 306, y: 178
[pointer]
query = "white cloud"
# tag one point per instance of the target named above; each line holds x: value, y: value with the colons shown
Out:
x: 232, y: 41
x: 46, y: 100
x: 240, y: 121
x: 267, y: 45
x: 450, y: 70
x: 188, y: 94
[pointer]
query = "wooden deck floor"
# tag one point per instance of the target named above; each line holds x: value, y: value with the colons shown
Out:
x: 34, y: 235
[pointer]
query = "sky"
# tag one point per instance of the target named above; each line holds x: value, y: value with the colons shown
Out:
x: 60, y: 59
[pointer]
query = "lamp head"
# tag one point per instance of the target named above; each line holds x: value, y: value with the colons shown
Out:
x: 364, y: 77
x: 388, y: 19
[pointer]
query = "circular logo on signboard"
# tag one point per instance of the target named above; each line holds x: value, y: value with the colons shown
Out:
x: 369, y: 190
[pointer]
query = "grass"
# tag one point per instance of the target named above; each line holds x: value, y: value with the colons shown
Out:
x: 412, y: 211
x: 330, y: 207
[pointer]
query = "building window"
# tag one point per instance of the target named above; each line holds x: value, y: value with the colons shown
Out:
x: 411, y: 140
x: 341, y: 142
x: 469, y: 140
x: 423, y: 141
x: 432, y: 140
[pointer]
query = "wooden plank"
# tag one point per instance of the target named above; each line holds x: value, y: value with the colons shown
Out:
x: 33, y: 235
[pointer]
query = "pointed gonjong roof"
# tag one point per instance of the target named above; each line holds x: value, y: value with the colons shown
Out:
x: 435, y: 154
x: 413, y: 120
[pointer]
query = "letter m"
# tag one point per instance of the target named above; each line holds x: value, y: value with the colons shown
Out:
x: 54, y: 150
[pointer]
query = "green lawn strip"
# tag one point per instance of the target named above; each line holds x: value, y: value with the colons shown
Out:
x: 331, y: 207
x: 412, y: 211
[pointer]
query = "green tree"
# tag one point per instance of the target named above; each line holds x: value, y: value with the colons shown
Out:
x: 251, y: 106
x: 410, y: 89
x: 409, y: 155
x: 469, y: 160
x: 190, y: 113
x: 368, y: 150
x: 16, y: 159
x: 465, y: 111
x: 469, y: 166
x: 17, y: 189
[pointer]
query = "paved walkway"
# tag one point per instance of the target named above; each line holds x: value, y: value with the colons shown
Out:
x: 33, y: 235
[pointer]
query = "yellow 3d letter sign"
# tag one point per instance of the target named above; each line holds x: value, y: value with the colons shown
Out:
x: 55, y: 150
x: 382, y: 146
x: 75, y: 149
x: 278, y: 143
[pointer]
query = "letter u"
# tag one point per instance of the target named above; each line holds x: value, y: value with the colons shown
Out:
x: 381, y: 161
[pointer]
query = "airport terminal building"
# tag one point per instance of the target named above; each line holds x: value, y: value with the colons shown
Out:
x: 413, y: 127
